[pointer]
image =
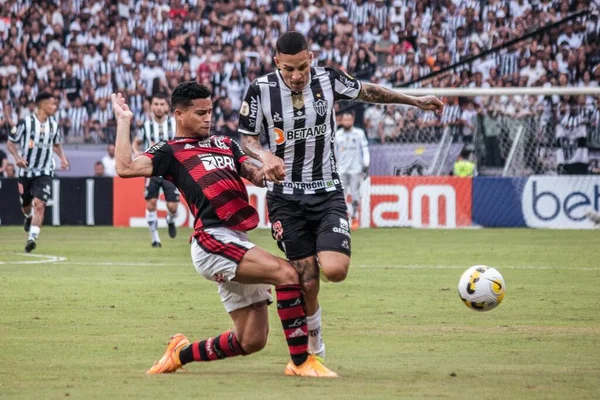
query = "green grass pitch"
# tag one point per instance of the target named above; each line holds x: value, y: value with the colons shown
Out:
x: 86, y: 320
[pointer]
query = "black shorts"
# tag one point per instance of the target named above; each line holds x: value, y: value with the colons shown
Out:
x: 305, y: 225
x: 39, y: 187
x: 153, y: 186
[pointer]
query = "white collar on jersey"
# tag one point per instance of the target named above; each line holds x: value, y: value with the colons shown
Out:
x: 310, y: 77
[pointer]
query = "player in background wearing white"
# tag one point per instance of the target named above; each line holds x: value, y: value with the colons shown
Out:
x: 352, y: 153
x: 159, y: 127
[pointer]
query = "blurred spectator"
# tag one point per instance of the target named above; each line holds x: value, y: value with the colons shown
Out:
x: 9, y: 171
x: 464, y: 166
x: 99, y: 169
x: 3, y: 161
x: 108, y: 161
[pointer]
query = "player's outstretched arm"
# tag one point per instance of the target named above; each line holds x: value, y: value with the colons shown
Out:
x: 125, y: 166
x: 273, y: 167
x: 252, y: 171
x: 372, y: 93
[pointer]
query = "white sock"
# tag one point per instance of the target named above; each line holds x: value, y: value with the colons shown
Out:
x: 152, y: 219
x: 171, y: 217
x: 34, y: 232
x: 315, y: 333
x: 30, y: 213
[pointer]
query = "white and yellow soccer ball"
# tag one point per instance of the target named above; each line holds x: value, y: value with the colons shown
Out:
x: 481, y: 288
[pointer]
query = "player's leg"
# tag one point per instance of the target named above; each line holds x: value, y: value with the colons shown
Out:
x: 172, y: 198
x: 294, y: 237
x: 41, y: 190
x: 355, y: 184
x: 346, y: 182
x: 333, y: 241
x: 151, y: 196
x: 26, y: 199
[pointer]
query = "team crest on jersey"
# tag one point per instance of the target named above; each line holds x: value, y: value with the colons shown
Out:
x: 320, y: 107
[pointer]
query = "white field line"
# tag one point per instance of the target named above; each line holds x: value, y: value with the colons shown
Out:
x: 63, y: 261
x: 45, y: 259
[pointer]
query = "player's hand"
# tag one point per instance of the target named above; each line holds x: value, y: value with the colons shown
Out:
x: 21, y: 162
x: 273, y: 168
x: 430, y: 103
x: 365, y: 172
x: 64, y: 164
x: 120, y: 107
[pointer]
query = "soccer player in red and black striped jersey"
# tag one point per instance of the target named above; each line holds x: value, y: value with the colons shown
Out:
x: 208, y: 172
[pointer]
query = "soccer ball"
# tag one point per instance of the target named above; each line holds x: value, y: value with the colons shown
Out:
x: 481, y: 288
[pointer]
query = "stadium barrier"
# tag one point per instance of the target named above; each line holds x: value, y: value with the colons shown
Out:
x: 556, y: 202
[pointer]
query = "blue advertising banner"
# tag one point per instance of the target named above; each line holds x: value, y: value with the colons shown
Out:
x: 497, y: 202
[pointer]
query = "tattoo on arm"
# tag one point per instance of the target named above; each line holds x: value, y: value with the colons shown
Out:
x: 251, y: 171
x: 251, y: 146
x: 372, y: 93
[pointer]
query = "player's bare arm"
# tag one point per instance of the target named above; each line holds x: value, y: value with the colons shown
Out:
x: 372, y: 93
x: 253, y: 172
x: 273, y: 167
x: 20, y: 161
x: 64, y: 163
x: 125, y: 166
x: 137, y: 142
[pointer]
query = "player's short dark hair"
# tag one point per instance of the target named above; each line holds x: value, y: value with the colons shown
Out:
x: 160, y: 95
x: 466, y: 152
x: 43, y: 96
x: 291, y: 43
x: 186, y: 92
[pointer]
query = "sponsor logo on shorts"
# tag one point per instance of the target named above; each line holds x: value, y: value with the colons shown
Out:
x: 209, y: 346
x: 344, y: 229
x: 314, y: 332
x: 345, y: 244
x: 219, y: 278
x: 277, y: 230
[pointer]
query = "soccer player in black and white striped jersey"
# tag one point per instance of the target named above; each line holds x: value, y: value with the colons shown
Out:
x: 31, y: 145
x: 293, y: 108
x: 160, y: 127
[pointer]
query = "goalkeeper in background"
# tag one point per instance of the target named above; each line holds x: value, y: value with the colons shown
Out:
x: 352, y: 153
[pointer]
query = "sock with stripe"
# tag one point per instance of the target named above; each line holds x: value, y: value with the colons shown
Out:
x: 223, y: 346
x: 34, y: 232
x: 152, y: 218
x: 30, y: 214
x: 290, y: 307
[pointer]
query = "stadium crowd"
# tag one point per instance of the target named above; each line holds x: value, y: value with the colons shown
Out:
x: 82, y: 50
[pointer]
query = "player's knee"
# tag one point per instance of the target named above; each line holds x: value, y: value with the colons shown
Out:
x: 39, y: 206
x: 287, y: 275
x: 254, y: 343
x: 336, y: 273
x: 151, y: 205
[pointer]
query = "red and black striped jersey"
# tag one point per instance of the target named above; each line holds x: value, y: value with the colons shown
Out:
x: 207, y: 173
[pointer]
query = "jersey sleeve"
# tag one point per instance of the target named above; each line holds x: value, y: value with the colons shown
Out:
x: 58, y: 138
x: 17, y: 135
x: 161, y: 155
x: 238, y: 154
x: 345, y: 86
x: 250, y: 121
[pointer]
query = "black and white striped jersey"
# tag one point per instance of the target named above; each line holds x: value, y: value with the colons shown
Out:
x: 153, y: 132
x: 299, y: 127
x: 36, y: 141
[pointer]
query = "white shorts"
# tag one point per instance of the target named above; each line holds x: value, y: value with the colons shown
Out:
x: 216, y: 253
x: 352, y: 185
